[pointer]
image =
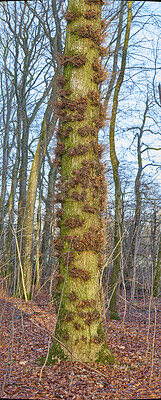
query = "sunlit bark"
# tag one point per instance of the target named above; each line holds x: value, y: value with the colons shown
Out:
x: 82, y: 189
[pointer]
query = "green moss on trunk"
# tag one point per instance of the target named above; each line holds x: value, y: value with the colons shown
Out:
x: 81, y: 190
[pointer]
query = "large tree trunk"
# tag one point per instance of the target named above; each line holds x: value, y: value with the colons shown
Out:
x: 82, y: 190
x: 115, y: 166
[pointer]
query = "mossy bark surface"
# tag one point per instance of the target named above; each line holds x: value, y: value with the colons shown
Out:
x: 81, y: 190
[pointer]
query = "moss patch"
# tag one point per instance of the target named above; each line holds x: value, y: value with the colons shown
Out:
x: 114, y: 315
x: 105, y: 356
x: 56, y: 355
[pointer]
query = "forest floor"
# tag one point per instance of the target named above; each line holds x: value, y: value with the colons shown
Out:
x: 24, y: 338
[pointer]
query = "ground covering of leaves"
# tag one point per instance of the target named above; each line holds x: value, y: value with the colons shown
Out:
x: 24, y: 338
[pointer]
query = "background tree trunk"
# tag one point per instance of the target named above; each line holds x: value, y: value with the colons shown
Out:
x: 47, y: 255
x: 138, y: 201
x: 47, y: 129
x: 157, y: 277
x: 115, y: 167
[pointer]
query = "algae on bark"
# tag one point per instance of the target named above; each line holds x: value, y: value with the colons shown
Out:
x: 81, y: 190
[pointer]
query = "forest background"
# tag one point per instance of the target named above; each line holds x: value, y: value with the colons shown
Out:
x: 32, y: 39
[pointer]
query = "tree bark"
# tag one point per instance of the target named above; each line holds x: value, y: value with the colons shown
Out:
x: 82, y: 190
x: 47, y: 129
x: 138, y: 201
x: 115, y: 166
x: 46, y: 248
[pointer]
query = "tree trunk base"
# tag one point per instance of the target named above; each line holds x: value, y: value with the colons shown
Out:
x: 114, y: 315
x: 57, y: 354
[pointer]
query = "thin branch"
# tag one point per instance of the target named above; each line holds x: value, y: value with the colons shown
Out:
x: 70, y: 352
x: 21, y: 268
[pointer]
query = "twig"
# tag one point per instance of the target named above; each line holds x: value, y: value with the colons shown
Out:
x: 11, y: 342
x: 70, y: 352
x: 71, y: 376
x: 57, y: 313
x: 153, y: 345
x: 49, y: 342
x: 51, y: 277
x: 10, y: 351
x: 109, y: 259
x: 150, y: 301
x: 124, y: 287
x: 64, y: 281
x: 19, y: 257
